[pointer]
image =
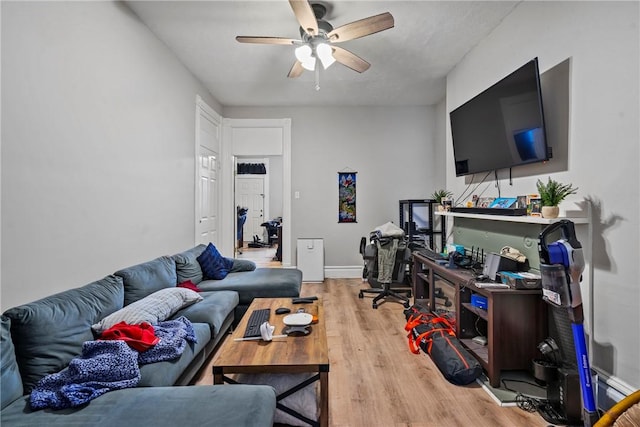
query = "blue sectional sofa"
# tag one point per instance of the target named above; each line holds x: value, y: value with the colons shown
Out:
x: 42, y: 337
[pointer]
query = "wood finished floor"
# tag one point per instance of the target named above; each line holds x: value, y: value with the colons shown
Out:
x: 376, y: 381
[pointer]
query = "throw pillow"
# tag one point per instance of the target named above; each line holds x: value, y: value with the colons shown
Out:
x: 152, y: 309
x: 187, y: 266
x: 189, y: 285
x: 214, y: 266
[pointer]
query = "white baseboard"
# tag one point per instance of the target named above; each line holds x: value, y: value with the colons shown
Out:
x: 610, y: 389
x: 343, y: 272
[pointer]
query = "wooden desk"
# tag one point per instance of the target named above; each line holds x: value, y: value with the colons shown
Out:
x: 514, y: 322
x: 282, y: 355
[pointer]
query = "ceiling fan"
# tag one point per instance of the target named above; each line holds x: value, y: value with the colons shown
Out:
x: 319, y: 37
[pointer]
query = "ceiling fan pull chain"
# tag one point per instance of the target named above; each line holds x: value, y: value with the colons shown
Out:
x: 317, y: 76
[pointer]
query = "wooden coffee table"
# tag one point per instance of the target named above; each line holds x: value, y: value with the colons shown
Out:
x: 290, y: 355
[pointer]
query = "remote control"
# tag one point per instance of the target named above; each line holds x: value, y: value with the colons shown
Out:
x: 303, y: 300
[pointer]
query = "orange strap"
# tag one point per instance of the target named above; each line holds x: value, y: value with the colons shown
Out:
x: 421, y: 318
x: 415, y: 321
x: 460, y: 356
x: 427, y: 337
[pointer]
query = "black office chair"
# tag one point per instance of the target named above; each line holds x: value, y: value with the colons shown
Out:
x: 399, y: 277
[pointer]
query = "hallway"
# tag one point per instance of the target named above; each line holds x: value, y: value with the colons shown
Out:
x: 263, y: 257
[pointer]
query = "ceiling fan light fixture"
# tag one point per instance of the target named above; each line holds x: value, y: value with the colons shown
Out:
x: 325, y: 54
x: 304, y: 54
x: 310, y: 64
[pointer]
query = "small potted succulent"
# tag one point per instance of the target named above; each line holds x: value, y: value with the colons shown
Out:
x: 440, y: 196
x: 551, y: 194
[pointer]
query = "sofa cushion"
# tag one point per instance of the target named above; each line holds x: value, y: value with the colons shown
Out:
x: 146, y: 278
x: 207, y: 405
x: 260, y: 283
x: 152, y: 309
x: 214, y: 265
x: 242, y: 265
x: 187, y: 266
x: 48, y: 333
x: 10, y: 374
x: 213, y: 309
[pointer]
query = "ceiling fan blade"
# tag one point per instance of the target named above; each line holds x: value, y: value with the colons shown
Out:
x: 361, y: 28
x: 296, y: 70
x: 305, y: 16
x: 265, y: 40
x: 350, y: 60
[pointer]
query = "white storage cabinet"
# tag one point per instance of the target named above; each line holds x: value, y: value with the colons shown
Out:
x: 311, y: 259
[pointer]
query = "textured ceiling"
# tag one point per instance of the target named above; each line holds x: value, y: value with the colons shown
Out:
x: 408, y: 62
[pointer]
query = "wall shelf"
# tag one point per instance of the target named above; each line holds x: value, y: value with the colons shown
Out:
x: 521, y: 219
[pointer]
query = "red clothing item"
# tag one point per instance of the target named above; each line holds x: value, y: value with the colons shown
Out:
x: 189, y: 285
x: 139, y: 337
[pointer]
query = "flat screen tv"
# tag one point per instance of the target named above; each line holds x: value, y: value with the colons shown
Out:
x: 503, y: 126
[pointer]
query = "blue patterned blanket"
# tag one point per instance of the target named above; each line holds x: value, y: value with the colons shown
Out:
x: 108, y: 365
x: 173, y: 335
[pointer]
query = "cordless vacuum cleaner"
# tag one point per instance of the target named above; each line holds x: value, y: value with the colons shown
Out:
x: 561, y: 267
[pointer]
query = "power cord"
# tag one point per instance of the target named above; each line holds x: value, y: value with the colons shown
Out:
x: 524, y: 401
x: 527, y: 403
x: 533, y: 404
x: 461, y: 197
x: 475, y: 325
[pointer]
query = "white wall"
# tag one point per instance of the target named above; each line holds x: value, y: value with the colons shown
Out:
x: 97, y: 146
x: 602, y: 41
x: 392, y: 149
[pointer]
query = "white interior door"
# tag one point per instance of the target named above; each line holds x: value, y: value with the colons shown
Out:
x: 250, y: 194
x: 207, y: 197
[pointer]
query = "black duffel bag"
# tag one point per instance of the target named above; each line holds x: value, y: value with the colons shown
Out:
x: 436, y: 336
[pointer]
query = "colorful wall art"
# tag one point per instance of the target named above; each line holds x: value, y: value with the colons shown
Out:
x: 347, y: 196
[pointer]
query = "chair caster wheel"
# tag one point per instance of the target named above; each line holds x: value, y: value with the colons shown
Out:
x: 360, y: 295
x: 374, y: 305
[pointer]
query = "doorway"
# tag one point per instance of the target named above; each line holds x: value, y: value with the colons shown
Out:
x: 250, y: 196
x: 257, y: 138
x: 253, y: 197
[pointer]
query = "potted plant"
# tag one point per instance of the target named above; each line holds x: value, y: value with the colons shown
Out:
x: 440, y: 196
x: 551, y: 194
